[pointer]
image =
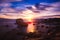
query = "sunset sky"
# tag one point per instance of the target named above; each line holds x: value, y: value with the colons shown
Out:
x: 14, y: 9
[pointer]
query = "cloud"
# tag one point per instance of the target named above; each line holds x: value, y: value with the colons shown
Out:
x: 49, y: 10
x: 5, y: 4
x: 7, y: 10
x: 10, y: 0
x: 57, y: 6
x: 54, y: 7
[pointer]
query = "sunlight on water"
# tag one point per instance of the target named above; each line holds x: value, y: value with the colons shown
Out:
x: 30, y: 28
